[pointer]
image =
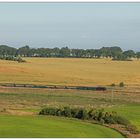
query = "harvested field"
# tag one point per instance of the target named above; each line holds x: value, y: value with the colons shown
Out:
x: 70, y: 71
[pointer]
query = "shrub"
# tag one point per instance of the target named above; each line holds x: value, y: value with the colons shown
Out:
x: 120, y: 120
x: 74, y: 112
x: 20, y: 60
x: 84, y: 114
x: 91, y: 114
x: 101, y: 114
x: 59, y: 112
x: 108, y: 118
x: 94, y: 114
x: 48, y: 111
x: 112, y: 85
x: 12, y: 58
x: 121, y: 84
x: 67, y: 112
x: 80, y: 114
x: 42, y: 112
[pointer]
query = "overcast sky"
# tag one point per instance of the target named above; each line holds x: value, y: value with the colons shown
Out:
x: 76, y: 25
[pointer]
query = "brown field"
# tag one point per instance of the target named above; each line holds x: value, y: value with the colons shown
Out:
x: 70, y: 71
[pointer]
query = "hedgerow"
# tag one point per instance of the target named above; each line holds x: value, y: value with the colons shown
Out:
x: 12, y: 58
x: 98, y: 115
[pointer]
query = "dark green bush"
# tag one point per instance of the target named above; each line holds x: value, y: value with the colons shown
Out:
x: 74, y: 112
x: 59, y: 112
x: 91, y: 113
x: 94, y: 114
x: 67, y: 112
x: 82, y: 114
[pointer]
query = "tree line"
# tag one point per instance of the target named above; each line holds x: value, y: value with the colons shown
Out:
x: 115, y: 52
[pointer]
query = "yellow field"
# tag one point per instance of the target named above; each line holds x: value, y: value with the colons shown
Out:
x: 70, y: 71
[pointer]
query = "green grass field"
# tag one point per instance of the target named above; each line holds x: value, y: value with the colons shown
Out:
x: 129, y: 111
x: 39, y: 127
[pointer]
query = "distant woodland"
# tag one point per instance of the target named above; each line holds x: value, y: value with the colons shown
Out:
x: 115, y: 52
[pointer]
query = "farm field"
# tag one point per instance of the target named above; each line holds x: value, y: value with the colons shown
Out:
x: 13, y: 126
x: 20, y: 106
x: 70, y: 71
x: 125, y: 101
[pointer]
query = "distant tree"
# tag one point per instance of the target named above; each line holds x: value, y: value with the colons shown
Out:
x: 24, y: 51
x: 6, y: 50
x: 129, y: 53
x: 97, y: 53
x: 33, y: 52
x: 114, y: 52
x: 138, y: 55
x: 110, y: 51
x: 77, y: 53
x: 65, y: 52
x: 55, y: 52
x: 121, y: 57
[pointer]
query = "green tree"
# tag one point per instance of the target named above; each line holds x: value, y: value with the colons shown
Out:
x: 129, y: 53
x: 24, y: 51
x: 138, y: 55
x: 65, y: 52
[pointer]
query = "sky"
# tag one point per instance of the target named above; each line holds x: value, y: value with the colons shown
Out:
x: 76, y: 25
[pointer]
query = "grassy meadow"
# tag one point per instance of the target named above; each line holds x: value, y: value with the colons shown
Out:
x: 40, y: 126
x: 19, y: 106
x: 70, y: 71
x: 125, y: 101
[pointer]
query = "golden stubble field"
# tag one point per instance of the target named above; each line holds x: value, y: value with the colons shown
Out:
x: 70, y: 71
